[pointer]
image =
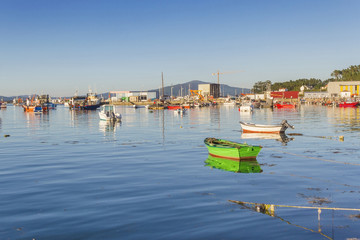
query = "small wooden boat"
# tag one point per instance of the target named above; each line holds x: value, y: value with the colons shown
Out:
x: 231, y: 150
x: 348, y: 104
x: 284, y: 105
x: 258, y: 128
x: 241, y: 166
x: 108, y: 113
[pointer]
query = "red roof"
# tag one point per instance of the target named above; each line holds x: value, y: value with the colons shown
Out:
x: 287, y: 94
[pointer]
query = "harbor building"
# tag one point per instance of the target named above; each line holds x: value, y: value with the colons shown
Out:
x: 211, y: 89
x: 314, y: 95
x: 131, y: 96
x: 342, y: 88
x: 285, y: 95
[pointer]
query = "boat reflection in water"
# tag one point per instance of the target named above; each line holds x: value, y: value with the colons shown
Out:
x: 238, y: 166
x: 108, y: 126
x: 281, y: 137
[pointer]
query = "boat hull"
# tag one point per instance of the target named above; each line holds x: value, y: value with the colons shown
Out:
x: 85, y: 107
x: 349, y: 104
x: 257, y: 128
x: 31, y: 108
x: 285, y: 105
x: 230, y: 150
x: 175, y: 107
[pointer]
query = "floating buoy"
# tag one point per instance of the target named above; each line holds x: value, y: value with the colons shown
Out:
x: 6, y: 135
x: 341, y: 138
x: 180, y: 126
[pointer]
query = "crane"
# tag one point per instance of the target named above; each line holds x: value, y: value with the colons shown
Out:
x: 197, y: 93
x: 218, y: 74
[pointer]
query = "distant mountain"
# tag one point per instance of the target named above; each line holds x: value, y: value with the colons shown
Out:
x: 176, y: 90
x: 10, y: 99
x: 183, y: 89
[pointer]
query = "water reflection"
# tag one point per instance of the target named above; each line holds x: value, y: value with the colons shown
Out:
x: 350, y: 117
x: 281, y: 137
x: 35, y: 120
x: 269, y: 209
x: 241, y: 166
x: 82, y: 116
x: 108, y: 126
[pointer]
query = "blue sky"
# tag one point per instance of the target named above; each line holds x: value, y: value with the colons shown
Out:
x: 60, y: 46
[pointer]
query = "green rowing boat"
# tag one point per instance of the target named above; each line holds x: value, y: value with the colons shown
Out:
x: 231, y: 150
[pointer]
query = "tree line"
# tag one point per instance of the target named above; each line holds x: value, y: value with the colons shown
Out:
x: 351, y: 73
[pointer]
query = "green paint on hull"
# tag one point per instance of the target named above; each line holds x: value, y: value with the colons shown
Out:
x: 231, y: 150
x: 242, y: 166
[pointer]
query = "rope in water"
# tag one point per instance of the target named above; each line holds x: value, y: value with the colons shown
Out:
x: 316, y: 158
x: 289, y: 206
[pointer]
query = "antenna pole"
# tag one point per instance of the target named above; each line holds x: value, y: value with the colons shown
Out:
x: 162, y: 80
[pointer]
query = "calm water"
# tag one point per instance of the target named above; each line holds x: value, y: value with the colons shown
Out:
x: 66, y: 175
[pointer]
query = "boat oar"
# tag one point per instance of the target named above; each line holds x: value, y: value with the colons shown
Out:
x: 271, y: 206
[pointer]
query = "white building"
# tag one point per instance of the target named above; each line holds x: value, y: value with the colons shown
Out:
x: 210, y: 89
x: 316, y: 95
x: 125, y: 96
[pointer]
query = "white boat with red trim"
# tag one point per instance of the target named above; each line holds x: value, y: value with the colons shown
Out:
x: 259, y: 128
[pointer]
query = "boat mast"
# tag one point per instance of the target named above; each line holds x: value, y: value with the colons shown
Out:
x: 162, y: 80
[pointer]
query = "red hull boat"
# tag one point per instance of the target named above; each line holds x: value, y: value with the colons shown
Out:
x: 348, y: 104
x: 284, y: 105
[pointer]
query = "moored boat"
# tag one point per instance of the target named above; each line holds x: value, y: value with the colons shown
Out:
x: 108, y: 113
x: 259, y: 128
x: 285, y: 105
x: 246, y: 107
x: 175, y: 107
x: 90, y: 102
x: 348, y: 104
x: 3, y: 104
x: 231, y: 150
x: 33, y: 108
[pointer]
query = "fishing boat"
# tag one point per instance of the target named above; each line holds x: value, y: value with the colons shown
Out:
x: 88, y: 102
x: 33, y: 108
x: 259, y: 128
x: 348, y: 104
x: 108, y: 113
x: 3, y: 105
x: 241, y: 166
x: 231, y: 150
x: 284, y: 105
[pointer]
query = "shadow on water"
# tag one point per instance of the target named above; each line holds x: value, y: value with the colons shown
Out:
x: 237, y: 166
